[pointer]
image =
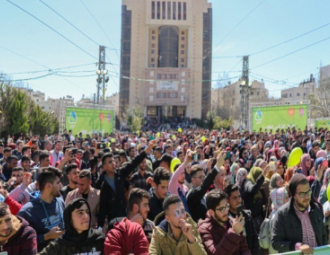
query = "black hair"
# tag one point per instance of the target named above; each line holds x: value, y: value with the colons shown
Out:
x: 105, y: 156
x: 230, y: 189
x: 170, y: 200
x: 179, y: 153
x: 7, y: 149
x: 195, y: 169
x: 214, y: 198
x: 48, y: 175
x: 25, y: 158
x: 161, y: 174
x: 43, y: 155
x: 135, y: 196
x: 70, y: 167
x: 85, y: 174
x: 10, y: 158
x: 3, y: 209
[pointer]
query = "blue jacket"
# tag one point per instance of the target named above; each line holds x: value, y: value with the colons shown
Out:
x: 43, y: 217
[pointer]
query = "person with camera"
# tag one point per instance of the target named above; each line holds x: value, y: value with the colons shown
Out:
x: 200, y: 185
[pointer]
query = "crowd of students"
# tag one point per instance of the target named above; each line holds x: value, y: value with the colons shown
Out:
x: 188, y: 192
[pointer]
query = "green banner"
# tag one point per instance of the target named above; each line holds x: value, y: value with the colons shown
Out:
x: 322, y: 250
x: 322, y: 124
x: 279, y: 117
x: 89, y: 121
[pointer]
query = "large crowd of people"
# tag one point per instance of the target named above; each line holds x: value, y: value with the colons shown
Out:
x: 186, y: 191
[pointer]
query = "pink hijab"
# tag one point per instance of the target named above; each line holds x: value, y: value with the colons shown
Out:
x: 303, y: 160
x: 321, y: 154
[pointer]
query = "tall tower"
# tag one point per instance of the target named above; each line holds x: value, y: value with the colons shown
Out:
x: 166, y: 57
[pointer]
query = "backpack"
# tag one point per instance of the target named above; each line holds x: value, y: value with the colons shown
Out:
x: 264, y: 235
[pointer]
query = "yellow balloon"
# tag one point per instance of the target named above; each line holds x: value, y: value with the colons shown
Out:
x: 158, y: 134
x: 180, y: 130
x: 138, y: 132
x: 295, y: 157
x: 173, y: 137
x: 113, y: 140
x: 203, y: 139
x: 174, y: 162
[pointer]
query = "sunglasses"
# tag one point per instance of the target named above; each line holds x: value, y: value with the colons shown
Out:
x: 222, y: 209
x: 304, y: 194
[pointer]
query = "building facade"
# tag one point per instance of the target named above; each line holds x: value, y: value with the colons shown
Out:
x: 301, y: 92
x: 226, y: 101
x: 166, y: 57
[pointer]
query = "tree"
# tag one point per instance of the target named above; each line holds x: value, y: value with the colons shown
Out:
x: 210, y: 119
x: 134, y: 118
x: 220, y: 123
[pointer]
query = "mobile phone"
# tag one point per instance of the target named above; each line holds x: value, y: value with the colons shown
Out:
x: 74, y: 151
x: 239, y: 210
x: 196, y: 157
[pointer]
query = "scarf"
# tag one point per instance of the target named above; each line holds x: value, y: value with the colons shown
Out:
x: 239, y: 177
x: 254, y: 174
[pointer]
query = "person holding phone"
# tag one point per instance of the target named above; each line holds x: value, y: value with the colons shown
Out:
x: 234, y: 200
x: 221, y: 233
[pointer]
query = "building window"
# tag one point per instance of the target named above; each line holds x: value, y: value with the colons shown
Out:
x: 159, y: 95
x: 164, y: 76
x: 290, y: 95
x: 174, y: 11
x: 170, y: 76
x: 304, y: 94
x: 152, y: 65
x: 153, y: 37
x: 164, y: 10
x: 184, y: 11
x: 159, y: 76
x: 251, y: 93
x: 257, y: 93
x: 151, y: 98
x: 182, y: 46
x: 176, y: 76
x: 173, y: 94
x: 164, y: 95
x: 152, y: 51
x: 182, y: 59
x: 153, y: 45
x: 182, y: 66
x: 168, y: 10
x: 179, y: 10
x: 153, y: 9
x: 182, y: 52
x: 182, y: 33
x: 298, y: 94
x: 152, y: 59
x: 153, y: 32
x: 182, y: 38
x: 158, y: 10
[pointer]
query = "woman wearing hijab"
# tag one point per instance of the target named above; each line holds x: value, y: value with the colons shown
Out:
x: 241, y: 176
x: 276, y: 181
x: 79, y: 237
x: 254, y: 196
x: 233, y: 169
x: 278, y: 197
x: 306, y: 164
x: 323, y: 193
x: 288, y: 175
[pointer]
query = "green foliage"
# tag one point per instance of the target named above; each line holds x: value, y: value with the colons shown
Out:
x: 220, y: 123
x: 134, y: 118
x: 210, y: 119
x: 19, y: 114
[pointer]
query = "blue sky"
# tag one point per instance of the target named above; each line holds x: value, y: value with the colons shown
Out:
x: 272, y: 22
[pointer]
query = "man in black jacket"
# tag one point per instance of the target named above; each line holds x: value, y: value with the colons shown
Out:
x: 298, y: 225
x: 234, y: 200
x: 200, y: 185
x: 112, y: 185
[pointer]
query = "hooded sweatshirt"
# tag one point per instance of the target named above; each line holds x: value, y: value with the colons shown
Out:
x: 22, y: 240
x: 88, y: 242
x: 43, y: 216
